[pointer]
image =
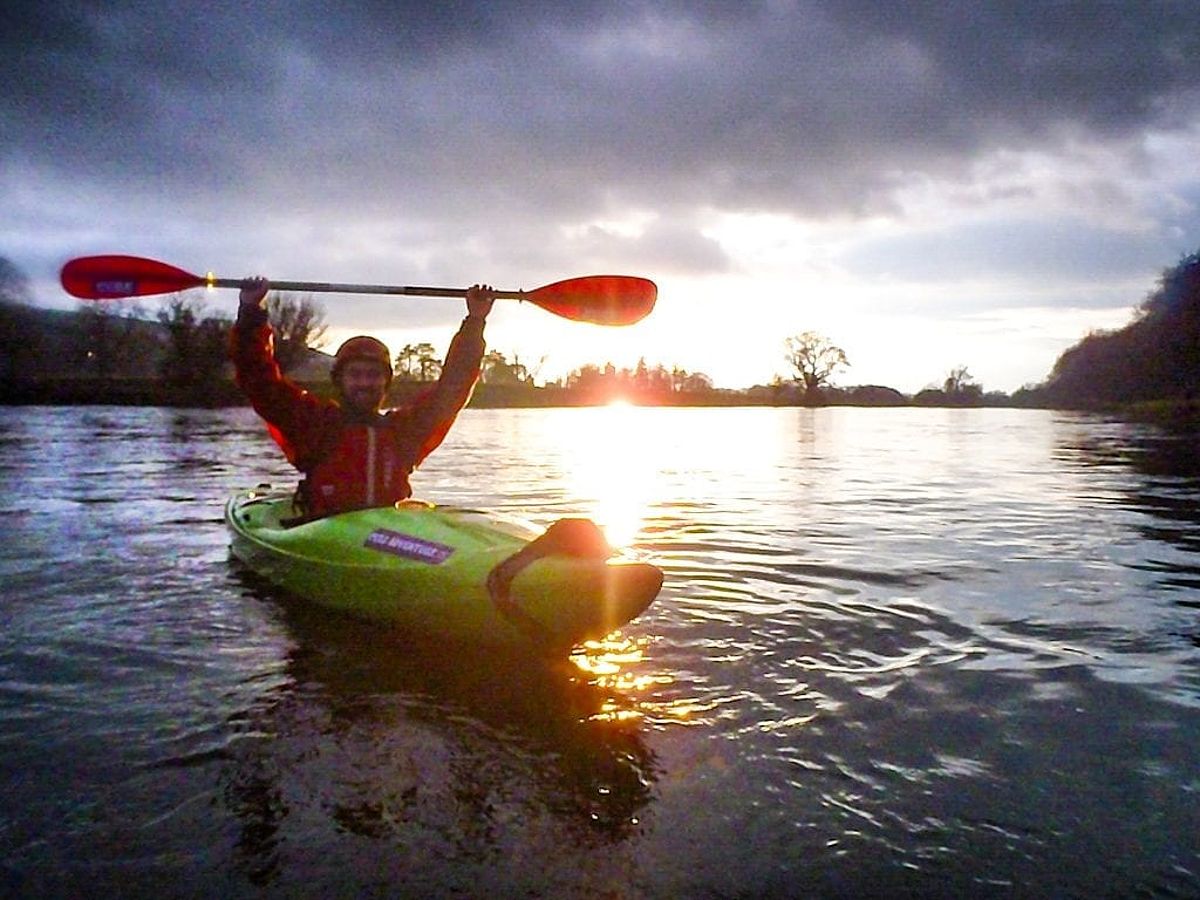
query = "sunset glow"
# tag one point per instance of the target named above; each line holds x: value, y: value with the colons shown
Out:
x: 774, y: 168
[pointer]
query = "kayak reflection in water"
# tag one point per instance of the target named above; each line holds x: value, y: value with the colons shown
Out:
x: 352, y: 454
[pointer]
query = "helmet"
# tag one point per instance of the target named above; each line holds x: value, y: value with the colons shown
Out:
x: 362, y: 347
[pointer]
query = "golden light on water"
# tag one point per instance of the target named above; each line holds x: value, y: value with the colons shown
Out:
x: 617, y: 454
x: 610, y: 469
x: 605, y: 664
x: 606, y: 657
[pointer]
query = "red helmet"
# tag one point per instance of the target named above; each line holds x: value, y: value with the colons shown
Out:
x: 362, y: 347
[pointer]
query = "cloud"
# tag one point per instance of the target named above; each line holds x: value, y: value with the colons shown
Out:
x: 1037, y: 150
x: 1030, y: 252
x: 800, y: 106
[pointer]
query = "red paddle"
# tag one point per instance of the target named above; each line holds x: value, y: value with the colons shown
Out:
x: 599, y: 299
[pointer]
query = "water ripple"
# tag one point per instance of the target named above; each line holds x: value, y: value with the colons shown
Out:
x: 868, y: 672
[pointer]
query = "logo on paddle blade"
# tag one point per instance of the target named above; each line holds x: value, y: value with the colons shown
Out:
x: 115, y: 288
x: 407, y: 546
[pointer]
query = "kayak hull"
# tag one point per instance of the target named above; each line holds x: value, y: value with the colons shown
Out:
x: 426, y: 568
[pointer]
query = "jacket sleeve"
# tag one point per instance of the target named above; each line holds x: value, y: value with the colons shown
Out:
x: 428, y: 417
x: 295, y: 418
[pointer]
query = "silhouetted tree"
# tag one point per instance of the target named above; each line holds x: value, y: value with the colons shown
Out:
x: 418, y: 362
x: 298, y: 323
x: 1177, y: 296
x: 498, y: 370
x: 641, y: 377
x: 1155, y: 357
x: 960, y: 388
x: 108, y: 336
x: 958, y: 378
x: 18, y: 342
x: 814, y: 359
x: 1172, y: 314
x: 585, y: 378
x: 643, y: 382
x: 194, y: 355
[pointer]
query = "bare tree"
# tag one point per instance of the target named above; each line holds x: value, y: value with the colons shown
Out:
x: 958, y: 379
x: 298, y: 323
x: 814, y: 359
x: 961, y: 388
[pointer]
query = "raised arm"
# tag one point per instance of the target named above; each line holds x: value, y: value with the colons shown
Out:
x: 432, y: 413
x: 295, y: 417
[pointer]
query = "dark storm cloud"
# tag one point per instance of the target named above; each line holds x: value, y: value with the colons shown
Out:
x: 761, y: 101
x: 1106, y: 65
x: 459, y: 115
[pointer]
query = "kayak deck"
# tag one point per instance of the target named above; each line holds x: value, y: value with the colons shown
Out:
x: 427, y: 568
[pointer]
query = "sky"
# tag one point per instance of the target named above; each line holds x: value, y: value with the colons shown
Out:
x: 927, y: 185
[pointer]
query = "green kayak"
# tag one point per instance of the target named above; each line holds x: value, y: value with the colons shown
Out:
x: 445, y: 572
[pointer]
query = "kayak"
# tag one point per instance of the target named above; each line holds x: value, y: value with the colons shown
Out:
x: 445, y: 572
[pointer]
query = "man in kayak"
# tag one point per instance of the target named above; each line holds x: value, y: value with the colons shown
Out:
x: 352, y: 454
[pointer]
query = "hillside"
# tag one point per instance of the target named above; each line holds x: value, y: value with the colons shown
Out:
x: 1155, y: 358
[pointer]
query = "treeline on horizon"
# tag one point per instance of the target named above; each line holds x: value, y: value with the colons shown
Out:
x: 115, y: 353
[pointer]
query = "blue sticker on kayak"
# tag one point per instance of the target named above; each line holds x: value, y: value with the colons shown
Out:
x: 398, y: 544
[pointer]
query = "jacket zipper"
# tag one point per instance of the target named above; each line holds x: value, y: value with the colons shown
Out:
x: 370, y: 467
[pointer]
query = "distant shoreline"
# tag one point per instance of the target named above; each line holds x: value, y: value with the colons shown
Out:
x: 116, y: 391
x: 148, y: 391
x: 142, y: 391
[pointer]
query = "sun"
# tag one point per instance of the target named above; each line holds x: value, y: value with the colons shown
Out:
x: 609, y: 473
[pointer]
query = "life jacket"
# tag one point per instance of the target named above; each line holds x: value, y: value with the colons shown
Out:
x: 360, y: 466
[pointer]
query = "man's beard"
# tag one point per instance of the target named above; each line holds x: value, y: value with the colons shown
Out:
x: 363, y: 401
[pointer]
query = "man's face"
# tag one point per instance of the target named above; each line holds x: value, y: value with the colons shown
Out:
x: 362, y: 384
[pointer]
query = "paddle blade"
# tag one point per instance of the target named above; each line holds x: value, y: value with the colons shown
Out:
x: 599, y: 299
x: 114, y: 277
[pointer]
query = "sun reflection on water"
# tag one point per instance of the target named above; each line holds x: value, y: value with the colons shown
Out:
x: 612, y: 472
x: 611, y: 664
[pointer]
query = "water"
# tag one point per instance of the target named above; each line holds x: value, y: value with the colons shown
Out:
x: 923, y: 652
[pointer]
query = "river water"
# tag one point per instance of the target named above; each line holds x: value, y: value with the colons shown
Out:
x: 898, y: 652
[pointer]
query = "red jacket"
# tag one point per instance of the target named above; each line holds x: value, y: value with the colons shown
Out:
x: 349, y: 462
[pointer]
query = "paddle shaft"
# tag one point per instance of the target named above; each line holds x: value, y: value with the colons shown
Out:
x: 327, y: 287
